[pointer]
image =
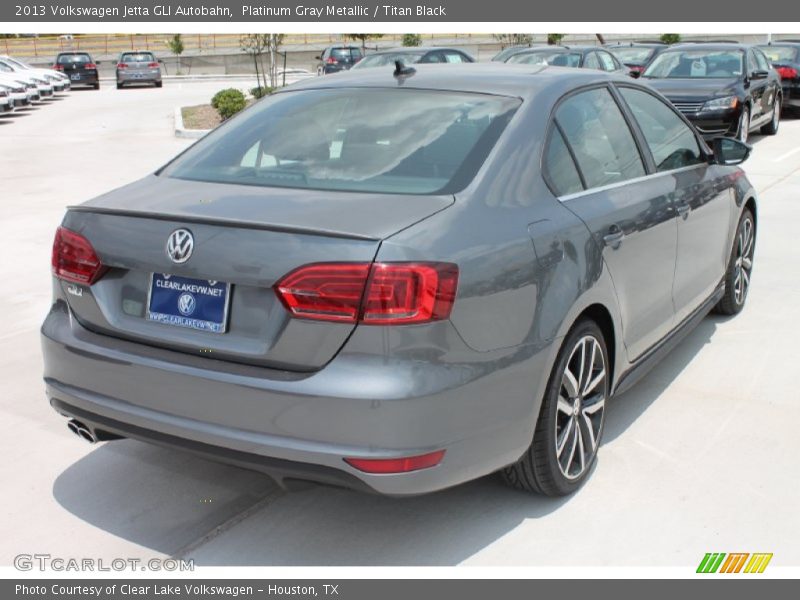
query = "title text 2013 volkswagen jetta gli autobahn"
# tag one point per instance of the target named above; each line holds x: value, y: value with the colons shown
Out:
x: 400, y: 281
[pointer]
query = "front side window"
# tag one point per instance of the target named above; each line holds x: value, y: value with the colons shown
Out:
x: 763, y: 63
x: 671, y: 141
x: 696, y: 64
x: 390, y: 140
x: 600, y: 138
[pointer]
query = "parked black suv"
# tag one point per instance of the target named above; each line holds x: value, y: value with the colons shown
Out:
x: 724, y: 89
x: 338, y: 58
x: 785, y: 58
x: 79, y: 67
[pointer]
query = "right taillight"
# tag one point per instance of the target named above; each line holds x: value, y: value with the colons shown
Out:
x: 373, y: 294
x: 787, y: 72
x: 74, y: 259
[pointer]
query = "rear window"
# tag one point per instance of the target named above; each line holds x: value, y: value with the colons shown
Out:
x: 67, y: 59
x: 780, y: 53
x: 346, y: 53
x: 388, y: 58
x: 400, y: 141
x: 637, y: 56
x: 137, y: 57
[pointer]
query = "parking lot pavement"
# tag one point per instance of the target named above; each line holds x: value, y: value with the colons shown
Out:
x: 700, y: 456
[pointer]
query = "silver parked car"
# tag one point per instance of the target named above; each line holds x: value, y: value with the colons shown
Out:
x: 138, y: 67
x: 400, y: 280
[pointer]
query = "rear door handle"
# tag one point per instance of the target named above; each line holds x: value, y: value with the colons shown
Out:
x: 614, y: 237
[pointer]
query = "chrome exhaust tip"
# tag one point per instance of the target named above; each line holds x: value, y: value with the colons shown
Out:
x: 82, y: 431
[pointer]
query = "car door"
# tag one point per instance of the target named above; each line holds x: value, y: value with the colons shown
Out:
x: 756, y: 87
x: 630, y: 215
x: 701, y: 194
x: 772, y: 83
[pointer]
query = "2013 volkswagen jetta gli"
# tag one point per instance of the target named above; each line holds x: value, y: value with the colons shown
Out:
x: 400, y: 281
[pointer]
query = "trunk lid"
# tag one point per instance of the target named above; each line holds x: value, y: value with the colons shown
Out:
x: 245, y: 236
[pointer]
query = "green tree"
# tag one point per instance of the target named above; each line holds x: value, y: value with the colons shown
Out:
x: 412, y: 39
x: 255, y: 44
x: 513, y: 39
x: 175, y: 45
x: 554, y: 38
x: 670, y: 38
x: 363, y: 38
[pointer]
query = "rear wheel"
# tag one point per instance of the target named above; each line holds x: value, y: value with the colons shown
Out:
x: 119, y: 85
x: 158, y: 83
x: 740, y: 267
x: 571, y: 419
x: 97, y: 86
x: 771, y: 128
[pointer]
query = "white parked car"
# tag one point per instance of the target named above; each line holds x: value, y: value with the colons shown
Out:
x: 45, y: 88
x: 6, y: 103
x: 22, y: 92
x: 59, y: 81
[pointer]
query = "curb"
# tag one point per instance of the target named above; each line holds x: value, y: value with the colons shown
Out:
x: 183, y: 132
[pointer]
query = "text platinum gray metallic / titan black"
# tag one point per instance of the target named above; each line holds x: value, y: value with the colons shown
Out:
x: 400, y: 280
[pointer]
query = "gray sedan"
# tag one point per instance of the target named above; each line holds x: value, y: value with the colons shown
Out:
x: 400, y: 280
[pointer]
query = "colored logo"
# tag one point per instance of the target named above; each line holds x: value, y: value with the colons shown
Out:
x: 734, y: 562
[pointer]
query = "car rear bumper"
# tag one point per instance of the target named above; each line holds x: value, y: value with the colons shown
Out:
x: 294, y: 425
x: 145, y: 77
x: 791, y: 94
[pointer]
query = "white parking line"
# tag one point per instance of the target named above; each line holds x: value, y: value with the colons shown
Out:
x: 787, y: 155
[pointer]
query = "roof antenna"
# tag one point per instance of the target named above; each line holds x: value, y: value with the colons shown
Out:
x: 400, y: 70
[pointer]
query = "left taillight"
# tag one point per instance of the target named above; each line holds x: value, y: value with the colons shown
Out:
x: 787, y: 72
x: 74, y: 259
x: 372, y: 294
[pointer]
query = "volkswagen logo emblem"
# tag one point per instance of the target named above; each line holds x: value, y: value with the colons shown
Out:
x: 180, y: 245
x: 186, y: 304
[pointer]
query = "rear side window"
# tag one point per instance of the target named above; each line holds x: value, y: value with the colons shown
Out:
x: 67, y: 59
x: 591, y: 62
x: 607, y: 61
x: 670, y: 140
x: 401, y: 141
x: 599, y: 137
x: 560, y: 171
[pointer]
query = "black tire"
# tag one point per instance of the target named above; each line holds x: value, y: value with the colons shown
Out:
x: 539, y: 470
x: 771, y: 128
x: 159, y: 84
x: 119, y: 85
x: 743, y: 132
x: 97, y: 86
x: 734, y: 298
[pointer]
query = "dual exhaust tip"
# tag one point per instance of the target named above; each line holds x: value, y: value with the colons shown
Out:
x: 82, y: 431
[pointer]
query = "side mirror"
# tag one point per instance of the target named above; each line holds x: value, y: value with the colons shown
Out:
x: 97, y: 62
x: 759, y: 74
x: 318, y: 57
x: 635, y: 74
x: 730, y: 151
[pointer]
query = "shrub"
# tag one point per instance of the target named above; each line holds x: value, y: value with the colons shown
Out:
x: 412, y: 39
x: 228, y: 102
x: 670, y: 38
x: 261, y: 91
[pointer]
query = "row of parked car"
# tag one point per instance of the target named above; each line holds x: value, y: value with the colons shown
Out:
x: 22, y: 85
x: 724, y: 88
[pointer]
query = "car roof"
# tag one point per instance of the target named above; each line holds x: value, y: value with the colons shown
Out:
x: 790, y: 43
x: 712, y: 45
x: 518, y: 80
x: 72, y: 52
x: 413, y: 49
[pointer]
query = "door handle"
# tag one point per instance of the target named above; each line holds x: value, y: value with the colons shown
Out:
x: 683, y: 210
x: 614, y: 237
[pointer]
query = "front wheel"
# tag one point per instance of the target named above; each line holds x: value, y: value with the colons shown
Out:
x: 744, y: 125
x: 740, y: 267
x: 571, y: 419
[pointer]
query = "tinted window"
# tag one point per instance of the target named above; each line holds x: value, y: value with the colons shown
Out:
x: 591, y: 62
x: 401, y: 141
x: 559, y: 168
x: 751, y: 62
x: 454, y: 57
x: 762, y: 61
x: 346, y: 53
x: 600, y: 138
x: 137, y: 57
x: 565, y: 60
x: 388, y: 58
x: 703, y: 64
x: 66, y: 59
x: 607, y: 62
x: 635, y: 55
x: 670, y: 140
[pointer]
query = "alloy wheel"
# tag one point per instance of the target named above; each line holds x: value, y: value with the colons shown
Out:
x: 744, y: 125
x: 581, y: 404
x: 743, y: 266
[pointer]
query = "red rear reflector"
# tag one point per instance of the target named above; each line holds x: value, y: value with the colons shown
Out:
x: 74, y: 259
x: 396, y: 293
x: 787, y: 72
x: 396, y: 465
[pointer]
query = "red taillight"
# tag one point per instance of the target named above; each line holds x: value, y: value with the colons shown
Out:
x: 396, y: 465
x: 377, y: 294
x: 74, y: 259
x: 787, y: 72
x: 58, y: 67
x: 331, y: 61
x: 152, y: 65
x: 636, y: 68
x: 122, y: 65
x: 90, y: 66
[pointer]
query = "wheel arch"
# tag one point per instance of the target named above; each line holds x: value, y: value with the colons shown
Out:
x: 600, y: 314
